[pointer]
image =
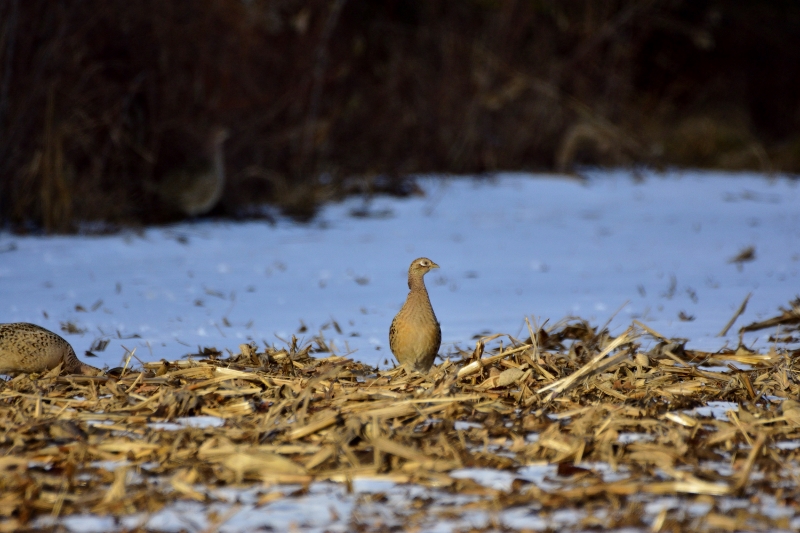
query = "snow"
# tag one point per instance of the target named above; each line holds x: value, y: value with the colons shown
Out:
x: 512, y: 246
x: 200, y: 421
x: 617, y: 247
x: 716, y: 409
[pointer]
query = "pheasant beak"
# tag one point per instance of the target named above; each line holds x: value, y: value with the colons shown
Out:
x: 434, y: 265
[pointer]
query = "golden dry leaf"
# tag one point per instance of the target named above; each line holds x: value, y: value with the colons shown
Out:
x: 510, y: 376
x: 117, y: 489
x: 719, y: 521
x: 265, y: 465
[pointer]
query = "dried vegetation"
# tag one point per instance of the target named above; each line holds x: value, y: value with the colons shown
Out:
x: 620, y: 423
x: 102, y: 100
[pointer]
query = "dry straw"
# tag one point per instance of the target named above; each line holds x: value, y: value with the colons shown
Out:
x: 567, y: 396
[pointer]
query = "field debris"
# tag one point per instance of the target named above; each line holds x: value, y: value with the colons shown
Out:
x: 787, y: 323
x: 620, y: 425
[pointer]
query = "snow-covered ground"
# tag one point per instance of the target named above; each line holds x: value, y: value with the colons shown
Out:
x: 512, y: 246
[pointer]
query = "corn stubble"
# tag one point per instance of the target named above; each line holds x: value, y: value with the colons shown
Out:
x: 294, y: 418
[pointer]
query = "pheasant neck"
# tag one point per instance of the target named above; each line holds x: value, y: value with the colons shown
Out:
x: 219, y: 163
x: 416, y: 283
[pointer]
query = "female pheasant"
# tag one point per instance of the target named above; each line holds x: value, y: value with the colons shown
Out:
x: 29, y: 348
x: 415, y: 335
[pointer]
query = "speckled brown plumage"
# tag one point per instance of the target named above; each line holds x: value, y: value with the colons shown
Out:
x: 26, y: 348
x: 415, y: 335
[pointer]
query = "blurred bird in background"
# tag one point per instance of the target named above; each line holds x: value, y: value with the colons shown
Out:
x: 195, y: 184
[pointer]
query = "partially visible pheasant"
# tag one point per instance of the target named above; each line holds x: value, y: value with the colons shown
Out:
x: 26, y: 348
x: 197, y: 185
x: 415, y: 335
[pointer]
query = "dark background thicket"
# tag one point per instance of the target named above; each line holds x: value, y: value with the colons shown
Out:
x: 325, y: 98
